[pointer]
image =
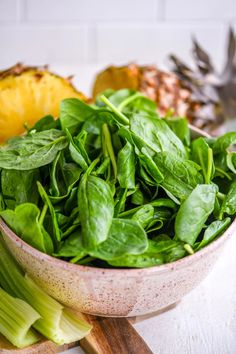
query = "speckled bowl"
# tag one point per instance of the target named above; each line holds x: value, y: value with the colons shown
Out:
x: 116, y: 292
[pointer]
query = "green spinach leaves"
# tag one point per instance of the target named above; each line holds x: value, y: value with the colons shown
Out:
x: 114, y: 185
x: 96, y: 208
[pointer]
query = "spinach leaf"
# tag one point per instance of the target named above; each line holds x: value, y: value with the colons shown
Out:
x: 174, y: 254
x: 126, y: 166
x: 46, y: 123
x: 156, y: 134
x: 80, y: 141
x: 135, y: 140
x: 212, y: 231
x: 19, y: 187
x: 150, y: 167
x: 73, y: 112
x: 180, y: 127
x: 144, y: 215
x: 25, y: 222
x: 140, y: 103
x: 125, y: 237
x: 76, y: 154
x: 71, y: 174
x: 64, y: 176
x: 93, y: 125
x: 33, y: 150
x: 151, y: 257
x: 96, y: 208
x: 229, y: 203
x: 72, y: 247
x: 194, y: 212
x: 180, y: 176
x: 137, y: 197
x: 202, y: 154
x: 159, y: 246
x: 146, y: 177
x: 231, y: 161
x: 224, y: 142
x: 144, y: 260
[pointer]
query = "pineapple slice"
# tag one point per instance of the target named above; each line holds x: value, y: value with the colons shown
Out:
x: 27, y: 94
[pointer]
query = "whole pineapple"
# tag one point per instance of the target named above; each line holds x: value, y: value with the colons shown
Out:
x: 205, y: 97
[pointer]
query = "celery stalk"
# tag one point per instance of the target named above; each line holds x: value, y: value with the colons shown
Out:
x: 56, y: 323
x: 16, y: 319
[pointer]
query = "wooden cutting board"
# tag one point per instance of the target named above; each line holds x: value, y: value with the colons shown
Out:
x: 108, y: 336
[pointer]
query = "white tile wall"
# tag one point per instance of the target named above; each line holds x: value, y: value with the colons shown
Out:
x: 153, y: 43
x: 200, y: 9
x: 78, y: 32
x: 8, y: 10
x: 90, y: 10
x: 44, y: 44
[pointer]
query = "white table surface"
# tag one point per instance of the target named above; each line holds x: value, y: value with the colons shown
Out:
x: 205, y: 320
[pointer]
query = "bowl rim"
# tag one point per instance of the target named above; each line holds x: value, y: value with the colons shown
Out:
x: 130, y: 272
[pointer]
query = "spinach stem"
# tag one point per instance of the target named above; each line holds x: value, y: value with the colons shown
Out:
x: 120, y: 201
x: 221, y: 195
x: 129, y: 212
x: 128, y: 100
x: 86, y: 260
x: 103, y: 167
x: 108, y: 148
x: 209, y: 165
x: 223, y: 173
x: 2, y: 204
x: 69, y: 231
x: 43, y: 214
x: 202, y: 165
x: 92, y: 166
x: 123, y: 118
x: 188, y: 248
x: 54, y: 185
x: 83, y: 261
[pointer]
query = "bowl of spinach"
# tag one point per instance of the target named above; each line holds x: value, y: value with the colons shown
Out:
x: 114, y: 210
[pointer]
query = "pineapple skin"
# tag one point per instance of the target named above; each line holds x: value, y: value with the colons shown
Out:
x: 29, y: 93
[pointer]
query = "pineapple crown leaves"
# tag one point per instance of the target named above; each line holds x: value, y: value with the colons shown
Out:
x: 206, y: 84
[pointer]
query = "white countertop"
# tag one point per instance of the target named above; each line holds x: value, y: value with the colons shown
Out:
x: 205, y: 320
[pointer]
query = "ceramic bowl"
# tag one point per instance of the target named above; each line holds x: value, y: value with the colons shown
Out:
x: 116, y: 292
